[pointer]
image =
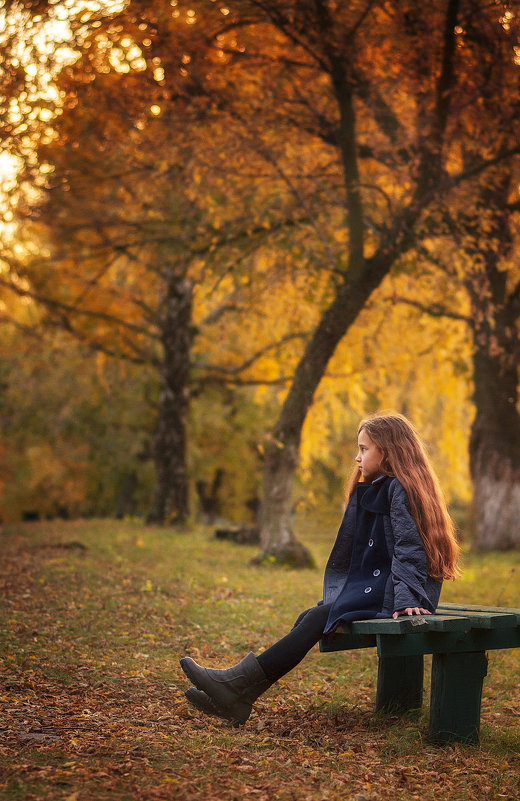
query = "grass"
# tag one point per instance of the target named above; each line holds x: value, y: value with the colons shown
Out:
x: 95, y: 616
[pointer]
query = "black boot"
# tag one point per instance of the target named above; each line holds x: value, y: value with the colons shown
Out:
x: 232, y: 691
x: 202, y: 701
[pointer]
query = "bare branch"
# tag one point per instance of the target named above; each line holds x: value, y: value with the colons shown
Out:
x: 70, y: 309
x: 433, y: 310
x: 443, y: 95
x: 101, y: 347
x: 384, y: 115
x: 259, y: 145
x: 245, y: 365
x: 283, y: 24
x: 240, y: 382
x: 215, y: 315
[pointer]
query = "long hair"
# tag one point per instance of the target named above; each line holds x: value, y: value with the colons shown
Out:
x: 405, y: 457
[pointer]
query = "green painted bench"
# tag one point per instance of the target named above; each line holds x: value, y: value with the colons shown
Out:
x: 458, y: 636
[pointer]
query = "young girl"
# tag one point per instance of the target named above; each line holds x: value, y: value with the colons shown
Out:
x: 395, y: 545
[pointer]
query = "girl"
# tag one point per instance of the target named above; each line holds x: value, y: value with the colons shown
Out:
x: 395, y: 545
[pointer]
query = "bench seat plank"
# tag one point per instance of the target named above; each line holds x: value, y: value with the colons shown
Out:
x: 412, y: 624
x: 484, y: 620
x: 437, y: 642
x: 446, y: 608
x: 477, y: 607
x: 488, y: 618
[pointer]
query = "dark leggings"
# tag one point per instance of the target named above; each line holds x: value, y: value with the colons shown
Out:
x: 288, y: 652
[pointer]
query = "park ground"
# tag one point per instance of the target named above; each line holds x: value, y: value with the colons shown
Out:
x: 95, y: 616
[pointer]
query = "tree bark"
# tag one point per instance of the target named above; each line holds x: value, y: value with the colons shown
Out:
x: 171, y: 501
x: 495, y: 453
x: 495, y: 434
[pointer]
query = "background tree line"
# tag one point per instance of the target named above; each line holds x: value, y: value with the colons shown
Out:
x: 247, y: 224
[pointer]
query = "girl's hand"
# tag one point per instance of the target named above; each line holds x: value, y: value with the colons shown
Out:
x: 411, y: 610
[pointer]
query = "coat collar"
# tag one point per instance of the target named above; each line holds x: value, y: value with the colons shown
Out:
x: 374, y: 498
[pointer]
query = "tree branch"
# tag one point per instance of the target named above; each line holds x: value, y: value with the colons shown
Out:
x: 433, y: 310
x: 245, y: 365
x: 283, y: 24
x: 70, y: 309
x: 342, y: 86
x: 240, y: 382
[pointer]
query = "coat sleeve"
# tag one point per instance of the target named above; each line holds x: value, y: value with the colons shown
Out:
x: 409, y: 565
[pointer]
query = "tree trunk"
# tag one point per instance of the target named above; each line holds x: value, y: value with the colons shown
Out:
x: 282, y: 452
x: 276, y: 535
x: 209, y: 501
x: 125, y: 503
x: 495, y: 434
x: 171, y: 479
x: 495, y: 455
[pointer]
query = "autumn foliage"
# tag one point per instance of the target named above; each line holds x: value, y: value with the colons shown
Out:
x: 263, y: 220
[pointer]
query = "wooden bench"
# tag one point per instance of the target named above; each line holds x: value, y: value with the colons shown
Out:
x: 458, y: 636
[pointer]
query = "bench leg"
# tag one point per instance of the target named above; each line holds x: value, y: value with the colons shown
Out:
x: 456, y: 694
x: 399, y: 683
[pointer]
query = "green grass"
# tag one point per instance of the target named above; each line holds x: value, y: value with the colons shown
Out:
x: 92, y: 695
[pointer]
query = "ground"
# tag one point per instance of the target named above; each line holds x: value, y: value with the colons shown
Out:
x: 95, y: 616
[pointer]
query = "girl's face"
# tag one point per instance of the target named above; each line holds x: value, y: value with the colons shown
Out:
x: 369, y: 457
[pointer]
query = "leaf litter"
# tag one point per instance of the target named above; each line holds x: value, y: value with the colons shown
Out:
x: 93, y: 704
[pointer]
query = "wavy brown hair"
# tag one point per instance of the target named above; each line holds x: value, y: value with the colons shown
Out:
x: 405, y: 457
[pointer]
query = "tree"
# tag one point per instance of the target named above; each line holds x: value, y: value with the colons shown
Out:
x: 485, y: 230
x: 347, y: 125
x: 414, y: 147
x: 119, y: 230
x: 119, y: 274
x: 481, y: 258
x: 477, y: 248
x: 494, y: 291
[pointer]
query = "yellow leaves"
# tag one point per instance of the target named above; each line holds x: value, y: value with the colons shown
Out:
x: 264, y: 261
x: 101, y: 360
x: 56, y: 475
x: 396, y: 358
x: 341, y: 235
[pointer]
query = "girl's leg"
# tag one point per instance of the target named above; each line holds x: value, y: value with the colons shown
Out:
x: 232, y: 692
x: 288, y: 652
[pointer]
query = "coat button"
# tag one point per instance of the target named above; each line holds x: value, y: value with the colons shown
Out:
x: 368, y: 589
x: 370, y: 542
x: 376, y: 573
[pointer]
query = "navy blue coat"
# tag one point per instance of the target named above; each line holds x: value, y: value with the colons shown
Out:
x: 406, y: 582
